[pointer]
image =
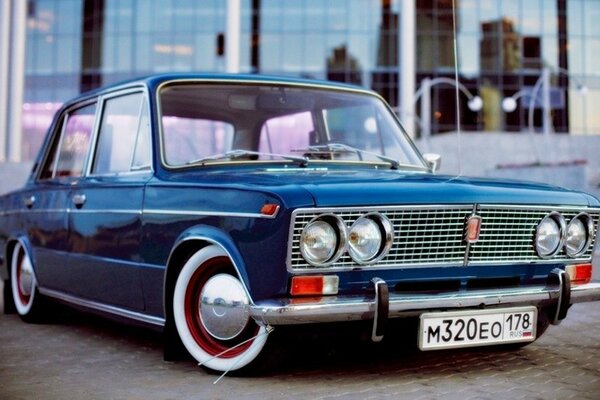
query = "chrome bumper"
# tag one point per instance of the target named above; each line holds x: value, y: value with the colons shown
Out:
x: 354, y: 308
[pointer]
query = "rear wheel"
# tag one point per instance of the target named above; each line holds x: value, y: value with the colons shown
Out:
x: 210, y: 309
x: 28, y: 302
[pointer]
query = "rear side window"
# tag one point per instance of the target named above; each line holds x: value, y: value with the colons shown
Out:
x: 123, y: 128
x: 70, y: 149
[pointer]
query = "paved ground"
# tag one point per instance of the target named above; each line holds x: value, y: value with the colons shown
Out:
x: 82, y: 357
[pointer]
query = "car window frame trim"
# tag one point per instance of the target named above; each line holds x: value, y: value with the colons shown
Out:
x: 63, y: 117
x: 93, y: 151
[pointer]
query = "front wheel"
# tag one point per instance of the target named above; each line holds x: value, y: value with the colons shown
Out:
x: 28, y: 302
x: 210, y: 309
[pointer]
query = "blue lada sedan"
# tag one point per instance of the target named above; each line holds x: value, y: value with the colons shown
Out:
x: 218, y: 208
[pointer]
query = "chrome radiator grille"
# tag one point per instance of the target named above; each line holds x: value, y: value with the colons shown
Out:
x: 426, y: 235
x: 507, y: 234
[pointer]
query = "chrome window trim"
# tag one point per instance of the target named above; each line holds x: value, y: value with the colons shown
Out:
x: 409, y: 264
x: 122, y: 312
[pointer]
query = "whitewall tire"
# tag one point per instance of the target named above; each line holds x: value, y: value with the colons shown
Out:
x: 26, y: 297
x: 211, y: 314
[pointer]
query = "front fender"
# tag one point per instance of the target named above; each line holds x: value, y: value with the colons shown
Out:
x: 210, y: 235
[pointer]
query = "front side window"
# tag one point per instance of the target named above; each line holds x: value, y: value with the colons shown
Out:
x: 68, y: 154
x: 122, y: 129
x: 222, y: 123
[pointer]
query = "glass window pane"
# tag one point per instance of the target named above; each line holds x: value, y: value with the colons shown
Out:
x: 118, y: 133
x: 142, y: 159
x: 75, y: 142
x: 190, y: 139
x: 592, y: 16
x: 200, y: 121
x: 281, y: 134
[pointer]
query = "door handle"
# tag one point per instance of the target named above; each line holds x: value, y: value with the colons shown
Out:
x: 29, y: 201
x: 79, y: 200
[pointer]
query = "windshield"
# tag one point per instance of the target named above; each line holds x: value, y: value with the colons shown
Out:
x: 215, y: 123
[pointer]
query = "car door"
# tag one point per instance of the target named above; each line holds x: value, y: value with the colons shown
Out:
x: 105, y: 206
x: 46, y: 204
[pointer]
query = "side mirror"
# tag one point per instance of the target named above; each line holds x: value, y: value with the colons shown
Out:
x: 433, y: 160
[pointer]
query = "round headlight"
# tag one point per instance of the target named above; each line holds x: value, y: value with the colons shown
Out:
x: 579, y: 234
x: 369, y: 238
x: 549, y: 235
x: 321, y: 241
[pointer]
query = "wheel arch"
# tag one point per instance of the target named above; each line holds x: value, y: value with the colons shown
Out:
x: 11, y: 243
x: 188, y: 243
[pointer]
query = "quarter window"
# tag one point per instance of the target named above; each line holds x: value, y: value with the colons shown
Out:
x: 124, y: 125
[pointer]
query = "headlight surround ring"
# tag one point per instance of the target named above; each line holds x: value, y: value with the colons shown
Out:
x: 575, y: 248
x: 385, y: 236
x: 550, y: 235
x: 325, y: 226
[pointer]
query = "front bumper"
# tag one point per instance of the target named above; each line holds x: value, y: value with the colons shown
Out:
x: 354, y: 308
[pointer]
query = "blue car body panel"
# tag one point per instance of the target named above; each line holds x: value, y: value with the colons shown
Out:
x: 120, y: 257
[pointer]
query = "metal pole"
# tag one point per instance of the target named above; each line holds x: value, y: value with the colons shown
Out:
x: 5, y: 12
x: 407, y: 75
x: 426, y: 109
x: 232, y: 37
x: 546, y: 121
x: 17, y: 79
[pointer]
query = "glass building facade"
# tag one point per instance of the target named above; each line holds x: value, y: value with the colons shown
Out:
x: 503, y: 45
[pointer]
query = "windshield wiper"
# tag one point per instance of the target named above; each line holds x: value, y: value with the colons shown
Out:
x: 302, y: 161
x: 344, y: 148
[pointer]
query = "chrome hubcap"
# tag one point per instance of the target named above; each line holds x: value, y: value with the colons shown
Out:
x: 25, y: 277
x: 223, y: 307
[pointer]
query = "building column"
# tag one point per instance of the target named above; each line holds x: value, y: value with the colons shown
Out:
x: 5, y: 7
x: 12, y: 77
x: 407, y: 74
x: 232, y: 36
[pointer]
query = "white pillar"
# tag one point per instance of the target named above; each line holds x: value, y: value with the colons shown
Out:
x: 546, y: 119
x: 425, y: 109
x: 5, y: 7
x: 16, y: 78
x: 406, y: 64
x: 232, y: 36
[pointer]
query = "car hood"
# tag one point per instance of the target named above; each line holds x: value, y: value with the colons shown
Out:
x: 364, y: 187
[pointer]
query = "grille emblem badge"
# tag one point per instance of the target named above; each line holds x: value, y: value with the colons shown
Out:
x: 472, y: 229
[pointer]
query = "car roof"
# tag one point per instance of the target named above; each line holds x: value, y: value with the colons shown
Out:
x: 153, y: 81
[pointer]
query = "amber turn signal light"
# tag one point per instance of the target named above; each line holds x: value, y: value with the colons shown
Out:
x: 269, y: 210
x: 579, y: 273
x: 314, y: 285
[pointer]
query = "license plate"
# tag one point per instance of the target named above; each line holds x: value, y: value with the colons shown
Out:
x: 443, y: 330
